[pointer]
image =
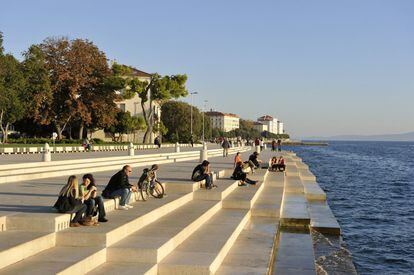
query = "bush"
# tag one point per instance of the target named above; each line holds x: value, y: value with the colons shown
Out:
x: 97, y: 141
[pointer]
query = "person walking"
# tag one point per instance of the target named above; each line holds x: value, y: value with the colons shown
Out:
x: 226, y: 146
x: 273, y: 145
x: 157, y: 142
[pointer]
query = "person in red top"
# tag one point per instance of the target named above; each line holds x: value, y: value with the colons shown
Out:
x: 281, y: 164
x: 237, y: 159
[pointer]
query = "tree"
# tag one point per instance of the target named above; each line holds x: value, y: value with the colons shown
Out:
x: 79, y: 76
x: 11, y: 91
x: 176, y: 118
x: 38, y: 95
x: 246, y: 130
x: 159, y: 89
x: 125, y: 124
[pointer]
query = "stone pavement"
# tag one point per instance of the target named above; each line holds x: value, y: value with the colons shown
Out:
x: 39, y: 195
x: 227, y: 230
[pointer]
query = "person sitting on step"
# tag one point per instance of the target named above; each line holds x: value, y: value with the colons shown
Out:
x: 70, y: 202
x: 240, y: 175
x: 88, y: 191
x: 254, y: 161
x: 119, y: 186
x: 274, y: 164
x: 281, y: 164
x: 202, y: 172
x: 237, y: 159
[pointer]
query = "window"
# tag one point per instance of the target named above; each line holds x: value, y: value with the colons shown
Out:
x: 122, y: 107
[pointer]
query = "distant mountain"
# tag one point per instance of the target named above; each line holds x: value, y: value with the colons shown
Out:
x: 389, y: 137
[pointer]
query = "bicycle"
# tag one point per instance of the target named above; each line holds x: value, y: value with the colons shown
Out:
x: 154, y: 189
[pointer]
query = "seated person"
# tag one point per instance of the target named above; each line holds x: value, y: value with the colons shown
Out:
x: 240, y: 175
x: 274, y: 164
x: 254, y: 161
x: 202, y: 172
x: 237, y: 159
x: 88, y: 191
x: 281, y: 164
x: 69, y: 201
x: 119, y: 186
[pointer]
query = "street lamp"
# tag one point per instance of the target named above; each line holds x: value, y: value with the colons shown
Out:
x: 205, y: 107
x: 191, y: 112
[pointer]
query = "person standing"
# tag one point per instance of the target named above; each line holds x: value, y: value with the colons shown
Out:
x: 261, y: 143
x: 192, y: 141
x: 226, y: 146
x: 273, y: 145
x: 157, y: 142
x: 279, y: 145
x: 119, y: 185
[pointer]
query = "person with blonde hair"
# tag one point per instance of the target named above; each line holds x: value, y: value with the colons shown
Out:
x: 70, y: 202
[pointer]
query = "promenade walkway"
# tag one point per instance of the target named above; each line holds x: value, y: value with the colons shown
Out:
x: 26, y: 158
x: 227, y: 230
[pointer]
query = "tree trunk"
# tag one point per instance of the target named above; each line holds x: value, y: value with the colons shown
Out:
x: 59, y: 132
x: 5, y: 132
x: 81, y: 132
x: 147, y: 134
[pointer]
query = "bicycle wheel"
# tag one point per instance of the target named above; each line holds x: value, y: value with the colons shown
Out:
x: 144, y: 191
x: 157, y: 191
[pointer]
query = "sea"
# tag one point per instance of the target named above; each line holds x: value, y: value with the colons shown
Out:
x: 370, y: 189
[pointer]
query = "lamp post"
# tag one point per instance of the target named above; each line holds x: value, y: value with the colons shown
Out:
x: 205, y: 106
x: 191, y: 112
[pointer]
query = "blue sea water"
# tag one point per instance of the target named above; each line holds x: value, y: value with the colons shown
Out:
x: 370, y: 189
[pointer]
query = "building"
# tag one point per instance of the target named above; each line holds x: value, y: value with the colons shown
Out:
x: 223, y: 121
x: 133, y: 106
x: 273, y: 125
x: 260, y: 127
x: 270, y: 122
x: 280, y: 129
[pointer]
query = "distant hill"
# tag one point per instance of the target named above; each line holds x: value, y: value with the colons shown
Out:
x: 389, y: 137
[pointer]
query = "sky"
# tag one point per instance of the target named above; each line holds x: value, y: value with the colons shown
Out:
x: 323, y: 67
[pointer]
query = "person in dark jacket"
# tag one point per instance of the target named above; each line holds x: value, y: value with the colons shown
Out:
x: 274, y: 145
x: 119, y: 186
x: 69, y: 201
x: 225, y: 145
x: 202, y: 172
x: 254, y: 159
x: 157, y: 142
x: 238, y: 174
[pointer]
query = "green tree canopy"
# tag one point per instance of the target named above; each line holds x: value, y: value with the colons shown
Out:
x: 125, y: 124
x: 176, y: 118
x: 158, y: 89
x: 12, y: 84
